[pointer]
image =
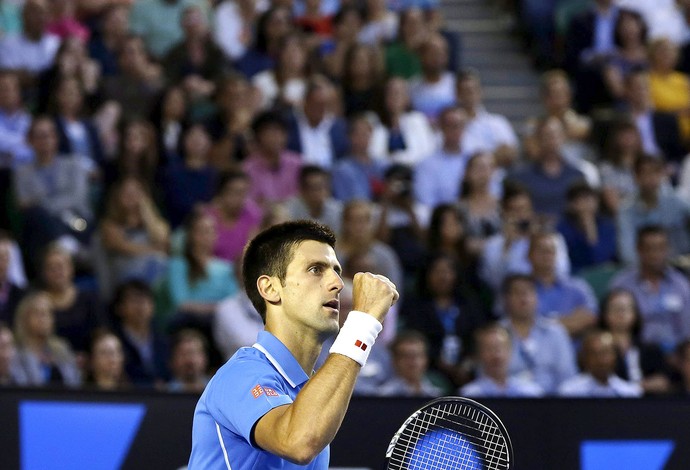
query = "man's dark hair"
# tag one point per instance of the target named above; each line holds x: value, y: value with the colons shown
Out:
x: 133, y: 286
x: 308, y: 170
x: 511, y: 279
x: 646, y: 230
x: 645, y: 160
x: 271, y: 251
x: 227, y: 177
x: 408, y: 336
x: 267, y: 119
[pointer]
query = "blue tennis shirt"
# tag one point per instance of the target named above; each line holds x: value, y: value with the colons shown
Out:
x: 254, y: 381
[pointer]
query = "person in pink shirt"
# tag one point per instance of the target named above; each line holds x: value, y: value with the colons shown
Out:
x: 273, y: 171
x: 237, y: 217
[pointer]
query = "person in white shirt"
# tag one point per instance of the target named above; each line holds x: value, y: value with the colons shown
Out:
x: 484, y: 130
x: 597, y: 379
x: 493, y: 352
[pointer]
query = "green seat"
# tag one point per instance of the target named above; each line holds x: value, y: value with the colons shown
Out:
x: 599, y: 277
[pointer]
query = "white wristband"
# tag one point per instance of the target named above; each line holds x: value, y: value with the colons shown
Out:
x: 357, y: 336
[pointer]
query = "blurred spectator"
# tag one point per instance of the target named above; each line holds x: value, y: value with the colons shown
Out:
x: 33, y: 50
x: 591, y: 237
x: 14, y: 149
x: 636, y: 361
x: 402, y: 221
x: 270, y: 29
x: 52, y: 193
x: 669, y: 88
x: 669, y: 20
x: 682, y: 366
x: 146, y: 350
x: 132, y: 236
x: 63, y: 21
x: 236, y: 323
x: 284, y: 84
x: 195, y: 61
x: 683, y: 186
x: 10, y: 372
x: 106, y: 367
x: 662, y: 293
x: 659, y: 131
x: 191, y: 181
x: 506, y: 252
x: 598, y: 378
x: 556, y: 97
x: 653, y: 204
x: 10, y: 292
x: 359, y: 175
x: 188, y: 362
x: 478, y: 200
x: 233, y: 21
x: 78, y: 310
x: 437, y: 178
x: 402, y: 58
x: 169, y: 119
x: 569, y: 300
x: 273, y: 170
x: 196, y: 280
x: 630, y: 37
x: 315, y: 130
x: 622, y: 147
x: 448, y: 233
x: 542, y: 350
x: 44, y: 357
x: 314, y: 200
x: 347, y: 23
x: 435, y: 88
x: 158, y: 23
x: 493, y: 350
x: 447, y: 312
x: 550, y: 175
x: 404, y: 135
x: 229, y: 125
x: 15, y: 121
x: 410, y: 355
x: 357, y: 237
x: 362, y: 80
x: 237, y: 217
x: 138, y: 82
x: 380, y: 23
x: 137, y: 156
x: 109, y: 37
x: 484, y: 131
x: 589, y: 42
x: 76, y: 132
x: 71, y: 61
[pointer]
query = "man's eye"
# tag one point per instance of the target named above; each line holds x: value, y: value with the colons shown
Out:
x: 315, y: 269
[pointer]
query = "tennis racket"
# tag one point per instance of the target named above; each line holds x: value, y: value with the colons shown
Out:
x: 451, y: 433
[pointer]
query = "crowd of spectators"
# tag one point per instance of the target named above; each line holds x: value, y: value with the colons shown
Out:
x: 144, y: 142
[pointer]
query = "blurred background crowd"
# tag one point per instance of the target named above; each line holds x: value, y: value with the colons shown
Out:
x: 144, y: 142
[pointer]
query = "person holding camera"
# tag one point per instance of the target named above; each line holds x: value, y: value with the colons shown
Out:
x: 506, y: 252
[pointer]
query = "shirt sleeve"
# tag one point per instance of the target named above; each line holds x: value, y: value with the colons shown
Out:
x: 244, y: 392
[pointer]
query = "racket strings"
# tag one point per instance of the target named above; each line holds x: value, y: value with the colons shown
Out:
x: 453, y: 437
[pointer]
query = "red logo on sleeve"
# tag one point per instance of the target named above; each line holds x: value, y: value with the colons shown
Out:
x: 361, y: 345
x: 257, y: 391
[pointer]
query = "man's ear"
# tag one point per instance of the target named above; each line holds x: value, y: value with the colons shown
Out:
x: 266, y: 285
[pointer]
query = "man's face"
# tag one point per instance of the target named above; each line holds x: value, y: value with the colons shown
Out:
x: 470, y: 93
x: 272, y: 139
x: 542, y: 255
x: 44, y: 138
x: 136, y: 308
x: 316, y: 189
x: 599, y: 355
x: 521, y: 300
x: 309, y: 295
x: 58, y: 270
x: 653, y: 251
x: 4, y: 259
x: 189, y: 360
x: 452, y: 124
x: 494, y: 353
x: 410, y: 360
x: 7, y: 350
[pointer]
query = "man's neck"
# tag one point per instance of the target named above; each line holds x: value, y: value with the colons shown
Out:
x: 141, y: 332
x: 305, y: 347
x: 522, y: 326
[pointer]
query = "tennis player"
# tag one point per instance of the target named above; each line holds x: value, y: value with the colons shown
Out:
x: 266, y: 408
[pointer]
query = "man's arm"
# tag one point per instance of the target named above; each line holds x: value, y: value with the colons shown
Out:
x: 300, y: 430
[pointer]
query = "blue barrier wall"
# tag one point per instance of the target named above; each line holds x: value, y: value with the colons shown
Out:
x: 88, y: 430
